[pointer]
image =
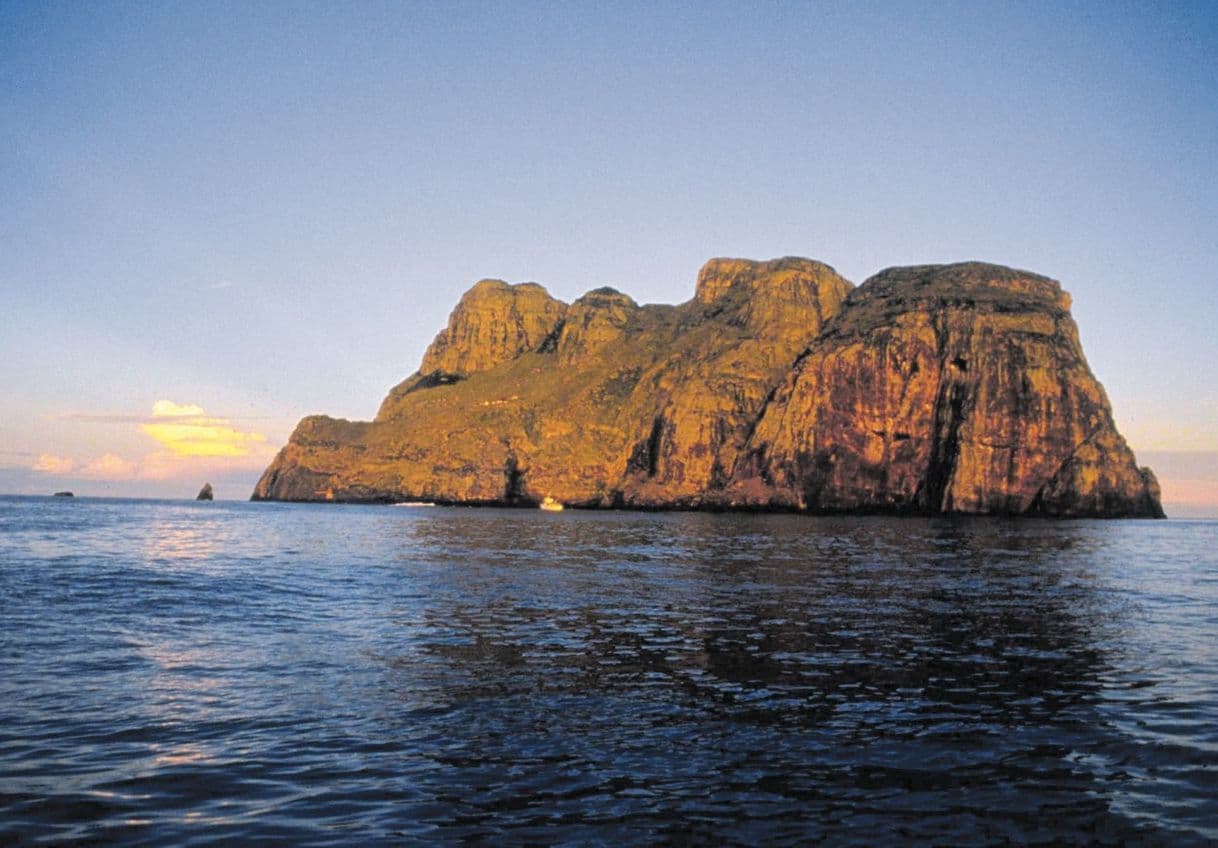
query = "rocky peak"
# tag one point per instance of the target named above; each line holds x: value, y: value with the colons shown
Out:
x: 774, y: 293
x: 594, y: 320
x: 494, y: 322
x: 776, y: 277
x: 964, y: 284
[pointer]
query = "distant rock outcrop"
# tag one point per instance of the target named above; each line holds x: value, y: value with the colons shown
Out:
x: 927, y: 390
x: 205, y: 494
x: 64, y: 495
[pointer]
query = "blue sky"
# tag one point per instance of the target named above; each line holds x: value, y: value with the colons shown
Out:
x: 260, y: 211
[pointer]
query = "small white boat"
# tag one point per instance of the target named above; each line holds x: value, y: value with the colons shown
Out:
x: 551, y: 505
x: 414, y: 503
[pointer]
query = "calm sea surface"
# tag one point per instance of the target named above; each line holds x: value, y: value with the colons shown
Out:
x: 175, y: 673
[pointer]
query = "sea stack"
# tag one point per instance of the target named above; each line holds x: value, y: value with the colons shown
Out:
x: 205, y: 494
x: 940, y: 389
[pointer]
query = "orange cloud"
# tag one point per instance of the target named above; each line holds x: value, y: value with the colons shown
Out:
x: 51, y: 464
x: 185, y: 430
x: 109, y: 466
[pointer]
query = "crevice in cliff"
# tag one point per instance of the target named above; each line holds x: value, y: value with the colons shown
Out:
x: 645, y: 457
x: 945, y: 451
x: 550, y: 343
x: 1038, y: 504
x: 751, y: 424
x: 816, y: 470
x: 653, y: 445
x: 513, y: 479
x: 267, y: 486
x: 433, y: 380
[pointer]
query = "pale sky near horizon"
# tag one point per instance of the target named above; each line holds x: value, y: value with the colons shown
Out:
x: 220, y: 217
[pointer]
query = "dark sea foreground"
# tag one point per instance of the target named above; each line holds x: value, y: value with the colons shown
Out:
x: 190, y: 673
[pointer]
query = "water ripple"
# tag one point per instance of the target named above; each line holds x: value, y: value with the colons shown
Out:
x: 190, y: 673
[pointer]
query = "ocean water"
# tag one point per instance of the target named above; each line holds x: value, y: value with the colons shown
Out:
x: 195, y: 673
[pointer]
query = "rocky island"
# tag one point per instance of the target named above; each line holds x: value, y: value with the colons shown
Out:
x: 937, y: 389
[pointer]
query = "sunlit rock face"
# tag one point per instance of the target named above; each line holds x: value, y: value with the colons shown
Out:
x: 597, y: 319
x: 735, y: 344
x: 494, y: 322
x: 928, y: 390
x: 940, y: 389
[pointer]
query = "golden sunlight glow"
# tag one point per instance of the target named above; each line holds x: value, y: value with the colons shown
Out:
x: 198, y: 438
x: 186, y: 430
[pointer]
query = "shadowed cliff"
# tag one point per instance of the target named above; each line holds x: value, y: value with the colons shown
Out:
x: 934, y: 389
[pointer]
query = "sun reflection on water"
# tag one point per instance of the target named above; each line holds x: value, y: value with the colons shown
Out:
x: 173, y: 540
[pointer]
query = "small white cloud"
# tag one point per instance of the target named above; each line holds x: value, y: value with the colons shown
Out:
x: 109, y: 466
x: 51, y: 464
x: 219, y: 284
x: 169, y: 409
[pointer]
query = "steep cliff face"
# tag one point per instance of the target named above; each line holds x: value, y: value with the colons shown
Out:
x: 695, y: 408
x: 935, y: 389
x: 493, y: 323
x: 958, y: 388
